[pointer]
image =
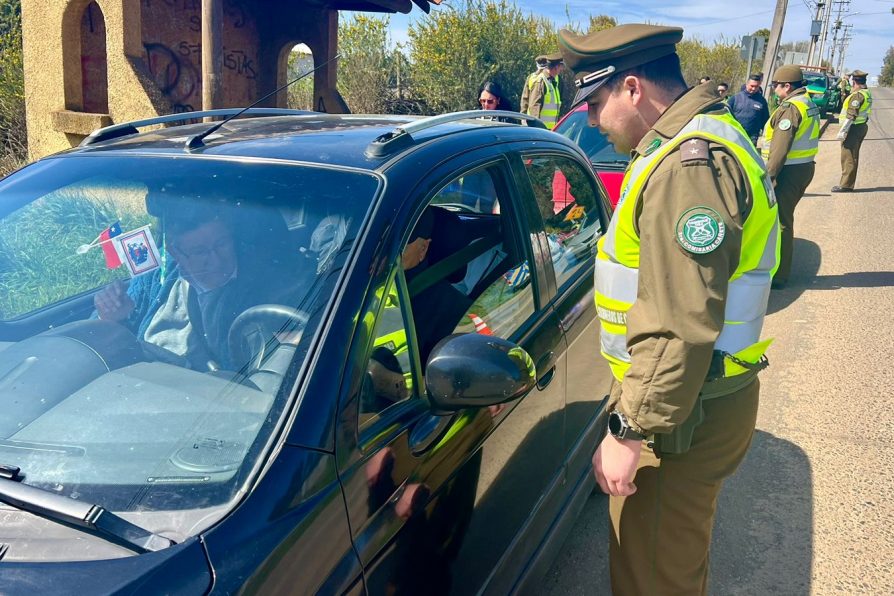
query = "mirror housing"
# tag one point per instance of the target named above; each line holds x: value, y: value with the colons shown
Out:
x: 474, y: 371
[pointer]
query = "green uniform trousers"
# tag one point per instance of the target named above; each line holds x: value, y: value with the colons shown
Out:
x: 850, y: 154
x: 790, y: 185
x: 661, y: 534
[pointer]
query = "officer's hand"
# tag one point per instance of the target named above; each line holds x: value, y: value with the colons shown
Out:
x: 614, y: 465
x: 112, y: 302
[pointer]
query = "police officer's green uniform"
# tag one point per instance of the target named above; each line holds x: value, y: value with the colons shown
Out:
x: 682, y: 278
x: 541, y: 97
x: 791, y: 142
x: 854, y: 120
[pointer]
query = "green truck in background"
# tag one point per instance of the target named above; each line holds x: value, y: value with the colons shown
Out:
x: 822, y: 92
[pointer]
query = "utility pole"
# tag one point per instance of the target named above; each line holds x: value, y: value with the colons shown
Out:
x: 827, y: 15
x: 814, y: 34
x: 773, y: 44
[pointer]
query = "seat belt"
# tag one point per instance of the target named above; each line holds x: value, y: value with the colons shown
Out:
x: 448, y: 265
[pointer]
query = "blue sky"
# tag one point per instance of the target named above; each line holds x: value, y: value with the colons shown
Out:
x: 873, y: 30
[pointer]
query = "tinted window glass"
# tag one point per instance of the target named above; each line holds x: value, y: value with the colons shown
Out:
x: 593, y: 142
x: 389, y: 377
x: 569, y: 205
x: 471, y: 192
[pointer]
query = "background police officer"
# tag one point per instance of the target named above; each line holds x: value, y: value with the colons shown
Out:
x: 854, y: 118
x: 541, y: 97
x: 682, y: 280
x: 791, y: 142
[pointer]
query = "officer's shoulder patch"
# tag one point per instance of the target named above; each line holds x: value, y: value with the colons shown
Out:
x: 694, y: 151
x: 855, y: 102
x: 700, y: 230
x: 785, y: 124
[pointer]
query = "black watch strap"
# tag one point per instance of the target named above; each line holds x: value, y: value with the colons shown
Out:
x: 619, y: 428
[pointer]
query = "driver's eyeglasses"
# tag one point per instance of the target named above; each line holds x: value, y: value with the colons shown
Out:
x: 223, y: 246
x: 487, y: 102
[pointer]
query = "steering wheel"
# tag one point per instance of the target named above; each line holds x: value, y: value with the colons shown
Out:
x: 260, y: 329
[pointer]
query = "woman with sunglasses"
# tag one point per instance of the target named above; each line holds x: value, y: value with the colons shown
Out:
x: 490, y: 97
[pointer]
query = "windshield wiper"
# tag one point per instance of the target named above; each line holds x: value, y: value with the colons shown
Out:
x: 80, y: 515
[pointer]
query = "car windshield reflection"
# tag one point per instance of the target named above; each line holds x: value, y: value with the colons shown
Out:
x: 154, y: 316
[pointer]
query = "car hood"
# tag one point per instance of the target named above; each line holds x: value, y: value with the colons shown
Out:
x: 183, y: 569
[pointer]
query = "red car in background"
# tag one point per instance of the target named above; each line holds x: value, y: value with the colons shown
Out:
x: 608, y: 164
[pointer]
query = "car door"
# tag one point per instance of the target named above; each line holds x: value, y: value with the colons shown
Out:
x: 572, y: 214
x: 437, y: 501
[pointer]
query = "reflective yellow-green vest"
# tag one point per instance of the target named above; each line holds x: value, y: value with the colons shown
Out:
x: 865, y: 108
x: 552, y: 100
x: 617, y: 262
x: 806, y: 144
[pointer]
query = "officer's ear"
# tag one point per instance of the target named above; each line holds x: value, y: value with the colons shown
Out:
x: 632, y: 88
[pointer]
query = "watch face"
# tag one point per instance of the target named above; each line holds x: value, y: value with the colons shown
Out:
x: 614, y: 424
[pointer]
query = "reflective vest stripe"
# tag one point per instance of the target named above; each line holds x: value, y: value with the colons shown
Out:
x: 865, y: 108
x: 552, y: 101
x: 617, y: 263
x: 805, y: 145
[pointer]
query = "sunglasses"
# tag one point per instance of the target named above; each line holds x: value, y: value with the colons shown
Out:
x: 487, y: 102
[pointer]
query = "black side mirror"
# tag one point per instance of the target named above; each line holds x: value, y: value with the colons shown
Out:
x: 474, y: 371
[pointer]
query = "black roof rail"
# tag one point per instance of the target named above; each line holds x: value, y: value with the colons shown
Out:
x: 128, y: 128
x: 402, y: 136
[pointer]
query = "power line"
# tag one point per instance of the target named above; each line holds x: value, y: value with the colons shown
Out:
x: 739, y: 18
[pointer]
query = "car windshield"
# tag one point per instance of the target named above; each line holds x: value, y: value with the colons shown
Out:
x: 155, y: 313
x: 815, y: 80
x: 593, y: 142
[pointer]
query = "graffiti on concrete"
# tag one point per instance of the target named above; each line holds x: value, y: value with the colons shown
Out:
x: 172, y: 40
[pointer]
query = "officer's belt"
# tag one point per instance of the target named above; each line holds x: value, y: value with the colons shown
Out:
x: 726, y: 385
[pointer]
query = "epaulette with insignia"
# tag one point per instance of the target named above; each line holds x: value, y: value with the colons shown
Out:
x: 694, y: 152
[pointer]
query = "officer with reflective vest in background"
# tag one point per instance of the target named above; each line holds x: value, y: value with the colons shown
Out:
x: 791, y: 142
x: 854, y: 120
x: 683, y: 277
x: 541, y: 97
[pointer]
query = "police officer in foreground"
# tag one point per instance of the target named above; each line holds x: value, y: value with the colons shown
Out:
x: 682, y: 280
x: 791, y: 142
x: 540, y: 97
x: 854, y: 118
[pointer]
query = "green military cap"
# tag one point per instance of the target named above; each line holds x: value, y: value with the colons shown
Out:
x: 596, y: 56
x: 859, y: 74
x: 789, y: 73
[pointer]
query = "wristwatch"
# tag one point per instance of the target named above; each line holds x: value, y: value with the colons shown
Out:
x: 620, y: 428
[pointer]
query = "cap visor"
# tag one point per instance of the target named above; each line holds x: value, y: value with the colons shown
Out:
x: 582, y: 94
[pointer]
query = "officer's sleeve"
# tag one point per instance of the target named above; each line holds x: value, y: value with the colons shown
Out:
x: 523, y: 106
x: 535, y: 99
x: 853, y: 105
x: 679, y: 311
x: 783, y: 137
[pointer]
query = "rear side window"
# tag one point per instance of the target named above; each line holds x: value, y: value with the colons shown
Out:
x: 568, y: 202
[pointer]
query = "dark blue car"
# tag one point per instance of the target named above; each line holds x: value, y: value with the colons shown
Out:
x: 306, y: 354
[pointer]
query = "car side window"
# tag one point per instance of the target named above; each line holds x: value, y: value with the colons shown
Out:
x: 389, y: 375
x: 475, y: 274
x: 474, y: 192
x: 568, y: 202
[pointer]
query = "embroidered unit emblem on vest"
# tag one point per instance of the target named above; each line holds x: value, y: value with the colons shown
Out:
x: 700, y: 230
x: 785, y: 124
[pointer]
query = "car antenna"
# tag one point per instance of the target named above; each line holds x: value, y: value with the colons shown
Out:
x: 195, y: 141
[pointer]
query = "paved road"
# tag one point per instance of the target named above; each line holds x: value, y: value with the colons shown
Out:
x: 811, y: 510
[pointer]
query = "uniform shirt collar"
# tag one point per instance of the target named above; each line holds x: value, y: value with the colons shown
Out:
x: 695, y: 101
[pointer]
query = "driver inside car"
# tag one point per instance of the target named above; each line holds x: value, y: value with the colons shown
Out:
x: 183, y: 316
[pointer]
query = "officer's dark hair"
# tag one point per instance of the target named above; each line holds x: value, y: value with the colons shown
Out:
x: 860, y: 80
x: 665, y: 72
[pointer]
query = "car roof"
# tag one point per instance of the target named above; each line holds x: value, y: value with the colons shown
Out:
x: 333, y: 139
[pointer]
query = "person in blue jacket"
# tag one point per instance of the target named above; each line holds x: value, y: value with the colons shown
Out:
x: 749, y: 107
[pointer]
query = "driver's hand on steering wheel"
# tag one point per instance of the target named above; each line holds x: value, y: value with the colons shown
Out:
x: 112, y: 302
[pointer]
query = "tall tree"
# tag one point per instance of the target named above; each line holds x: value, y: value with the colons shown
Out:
x: 456, y: 49
x: 886, y: 77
